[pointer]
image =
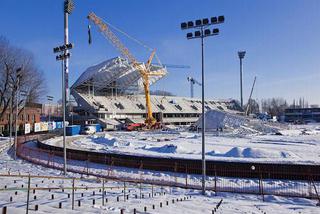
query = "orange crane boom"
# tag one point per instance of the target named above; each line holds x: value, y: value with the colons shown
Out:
x: 143, y: 69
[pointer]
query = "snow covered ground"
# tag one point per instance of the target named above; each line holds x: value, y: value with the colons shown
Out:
x: 232, y: 203
x: 297, y: 144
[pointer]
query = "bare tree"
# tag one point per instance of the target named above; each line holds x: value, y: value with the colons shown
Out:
x: 274, y: 106
x: 31, y: 78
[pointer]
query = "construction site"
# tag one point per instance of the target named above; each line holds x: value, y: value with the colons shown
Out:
x: 122, y: 146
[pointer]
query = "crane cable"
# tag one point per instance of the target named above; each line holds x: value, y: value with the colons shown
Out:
x: 132, y: 38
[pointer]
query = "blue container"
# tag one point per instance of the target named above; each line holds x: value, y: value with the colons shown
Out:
x: 73, y: 130
x: 98, y: 127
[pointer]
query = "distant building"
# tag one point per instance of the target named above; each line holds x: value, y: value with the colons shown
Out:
x: 28, y: 114
x: 303, y: 115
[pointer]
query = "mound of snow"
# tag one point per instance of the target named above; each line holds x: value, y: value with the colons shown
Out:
x: 238, y: 152
x: 290, y: 132
x: 234, y: 152
x: 168, y: 148
x: 107, y: 140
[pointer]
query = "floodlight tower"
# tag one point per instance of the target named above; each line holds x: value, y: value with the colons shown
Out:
x: 202, y: 25
x: 68, y: 8
x: 241, y: 55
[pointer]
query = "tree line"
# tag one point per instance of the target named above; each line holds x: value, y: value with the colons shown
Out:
x: 274, y: 106
x: 18, y: 73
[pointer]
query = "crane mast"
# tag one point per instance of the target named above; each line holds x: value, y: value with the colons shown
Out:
x: 192, y: 82
x: 143, y: 69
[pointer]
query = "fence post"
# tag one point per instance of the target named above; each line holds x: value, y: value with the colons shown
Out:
x: 261, y: 186
x: 103, y: 192
x: 152, y: 190
x: 87, y: 163
x: 28, y: 194
x: 124, y: 191
x: 186, y: 176
x: 215, y: 179
x: 73, y: 193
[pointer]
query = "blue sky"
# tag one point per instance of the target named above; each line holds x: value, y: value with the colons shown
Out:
x: 281, y: 37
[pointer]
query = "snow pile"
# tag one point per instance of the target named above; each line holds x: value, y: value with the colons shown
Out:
x: 95, y: 142
x: 168, y: 148
x: 238, y: 152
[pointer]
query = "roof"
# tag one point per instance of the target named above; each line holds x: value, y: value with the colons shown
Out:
x: 114, y: 73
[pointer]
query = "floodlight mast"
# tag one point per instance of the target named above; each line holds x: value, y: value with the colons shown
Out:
x: 203, y: 25
x: 241, y: 55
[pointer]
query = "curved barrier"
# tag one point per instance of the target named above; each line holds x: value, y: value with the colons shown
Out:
x: 193, y: 166
x: 266, y: 179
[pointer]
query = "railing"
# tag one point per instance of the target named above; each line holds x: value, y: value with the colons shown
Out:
x: 181, y: 175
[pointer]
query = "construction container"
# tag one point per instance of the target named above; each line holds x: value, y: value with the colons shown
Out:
x: 98, y: 127
x: 73, y: 130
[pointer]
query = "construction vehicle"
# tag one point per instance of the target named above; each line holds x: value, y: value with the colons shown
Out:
x: 144, y: 69
x: 192, y: 82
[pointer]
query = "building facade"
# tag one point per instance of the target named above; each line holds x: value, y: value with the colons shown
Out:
x: 29, y: 114
x: 302, y: 115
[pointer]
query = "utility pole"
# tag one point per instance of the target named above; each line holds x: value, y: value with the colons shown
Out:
x: 241, y: 55
x: 203, y: 32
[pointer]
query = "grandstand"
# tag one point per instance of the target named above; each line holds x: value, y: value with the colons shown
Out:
x: 110, y: 94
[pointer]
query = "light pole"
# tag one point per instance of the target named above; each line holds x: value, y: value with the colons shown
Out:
x: 61, y: 58
x: 24, y: 94
x: 68, y: 6
x: 50, y: 99
x: 202, y: 25
x: 241, y: 55
x: 18, y: 76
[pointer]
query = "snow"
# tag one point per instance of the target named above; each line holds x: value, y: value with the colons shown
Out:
x: 231, y: 203
x: 295, y: 144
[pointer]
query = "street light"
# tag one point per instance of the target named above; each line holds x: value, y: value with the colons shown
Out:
x: 50, y: 99
x: 18, y: 76
x: 241, y: 55
x: 203, y: 31
x: 24, y: 94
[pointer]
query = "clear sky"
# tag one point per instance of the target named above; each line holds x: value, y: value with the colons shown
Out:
x: 281, y: 37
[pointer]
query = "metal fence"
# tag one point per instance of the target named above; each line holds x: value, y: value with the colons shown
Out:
x: 261, y: 182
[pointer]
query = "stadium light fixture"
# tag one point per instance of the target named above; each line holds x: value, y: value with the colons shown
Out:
x: 202, y: 31
x: 241, y: 55
x: 68, y: 6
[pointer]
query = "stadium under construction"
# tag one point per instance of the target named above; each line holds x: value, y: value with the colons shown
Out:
x: 111, y: 94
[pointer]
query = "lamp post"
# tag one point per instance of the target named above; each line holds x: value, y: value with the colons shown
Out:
x: 202, y: 25
x: 24, y: 94
x: 18, y: 76
x: 50, y: 99
x: 68, y: 6
x: 241, y: 55
x: 62, y: 58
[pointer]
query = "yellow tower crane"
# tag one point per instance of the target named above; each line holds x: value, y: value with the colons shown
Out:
x: 143, y: 69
